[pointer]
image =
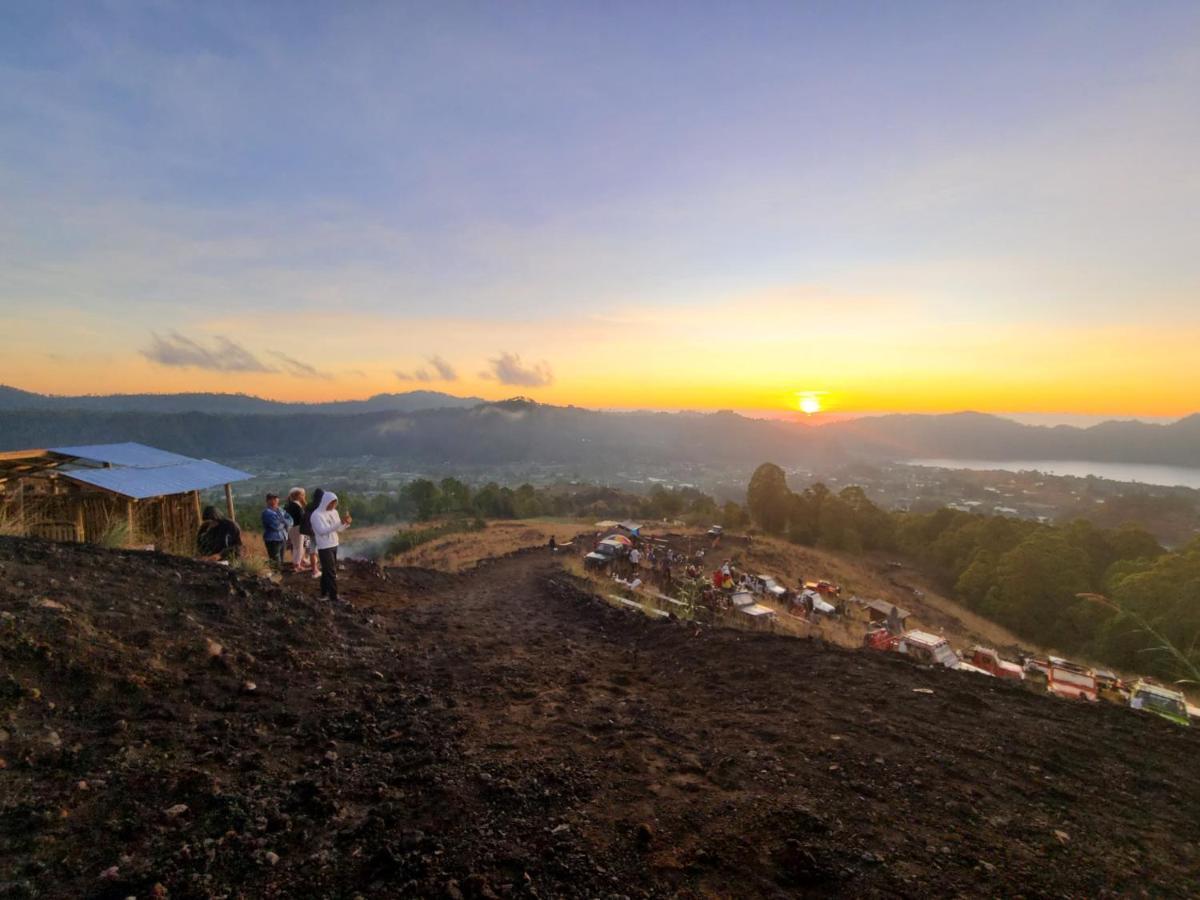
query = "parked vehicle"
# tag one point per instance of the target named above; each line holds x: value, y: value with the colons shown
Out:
x: 879, y: 638
x: 716, y: 531
x: 605, y: 553
x: 1161, y: 701
x: 766, y: 586
x: 989, y: 660
x: 1071, y: 680
x: 933, y: 650
x: 826, y: 588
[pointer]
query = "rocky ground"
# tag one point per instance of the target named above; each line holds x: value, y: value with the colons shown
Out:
x: 171, y: 729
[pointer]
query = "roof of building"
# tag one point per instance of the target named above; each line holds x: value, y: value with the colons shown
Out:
x: 137, y: 456
x: 883, y: 606
x: 142, y: 482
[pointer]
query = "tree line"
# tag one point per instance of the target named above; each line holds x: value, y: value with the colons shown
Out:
x: 1075, y: 586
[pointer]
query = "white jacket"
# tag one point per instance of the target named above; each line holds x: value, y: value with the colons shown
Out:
x: 326, y: 523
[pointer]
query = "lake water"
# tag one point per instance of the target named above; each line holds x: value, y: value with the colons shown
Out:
x: 1165, y: 475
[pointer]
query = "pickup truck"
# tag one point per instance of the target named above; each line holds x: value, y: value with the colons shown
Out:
x: 934, y: 650
x: 989, y: 660
x: 766, y: 586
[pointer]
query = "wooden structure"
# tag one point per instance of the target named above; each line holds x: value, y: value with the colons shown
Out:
x: 109, y: 493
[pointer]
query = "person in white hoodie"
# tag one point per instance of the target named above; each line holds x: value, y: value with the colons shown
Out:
x: 327, y: 524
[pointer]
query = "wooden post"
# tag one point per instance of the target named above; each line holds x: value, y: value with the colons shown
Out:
x: 196, y: 500
x: 129, y: 517
x: 229, y: 502
x: 80, y: 525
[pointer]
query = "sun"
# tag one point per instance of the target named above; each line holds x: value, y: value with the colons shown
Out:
x: 809, y: 404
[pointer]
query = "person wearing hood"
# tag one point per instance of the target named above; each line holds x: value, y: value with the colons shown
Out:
x: 327, y: 523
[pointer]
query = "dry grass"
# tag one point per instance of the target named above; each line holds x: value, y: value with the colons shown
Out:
x: 457, y: 552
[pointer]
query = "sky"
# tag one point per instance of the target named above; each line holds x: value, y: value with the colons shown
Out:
x: 919, y: 207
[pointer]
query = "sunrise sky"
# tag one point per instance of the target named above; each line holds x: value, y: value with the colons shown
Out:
x: 889, y: 206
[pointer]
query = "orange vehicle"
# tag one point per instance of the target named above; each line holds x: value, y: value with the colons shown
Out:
x: 826, y: 588
x: 989, y: 660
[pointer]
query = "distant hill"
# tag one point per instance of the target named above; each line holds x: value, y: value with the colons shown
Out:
x: 465, y: 431
x: 12, y: 399
x: 971, y: 435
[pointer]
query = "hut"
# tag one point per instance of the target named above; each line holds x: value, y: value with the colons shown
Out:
x: 141, y: 494
x: 879, y: 610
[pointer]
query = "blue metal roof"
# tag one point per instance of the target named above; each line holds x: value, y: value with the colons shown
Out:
x: 140, y: 483
x: 128, y: 454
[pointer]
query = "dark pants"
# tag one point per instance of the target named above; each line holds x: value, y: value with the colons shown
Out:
x: 328, y: 558
x: 275, y: 552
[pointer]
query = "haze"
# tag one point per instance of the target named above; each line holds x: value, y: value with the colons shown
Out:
x: 894, y: 207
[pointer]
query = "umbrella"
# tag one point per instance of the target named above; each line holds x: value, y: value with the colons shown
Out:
x: 619, y: 539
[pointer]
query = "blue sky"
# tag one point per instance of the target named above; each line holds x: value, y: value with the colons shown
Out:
x: 196, y: 167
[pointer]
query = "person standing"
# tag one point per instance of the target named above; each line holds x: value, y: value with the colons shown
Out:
x: 295, y: 511
x: 306, y: 530
x: 275, y: 531
x: 327, y: 524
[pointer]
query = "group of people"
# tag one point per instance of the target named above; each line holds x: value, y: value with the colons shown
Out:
x: 309, y: 528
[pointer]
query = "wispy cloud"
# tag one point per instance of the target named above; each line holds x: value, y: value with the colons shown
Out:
x: 300, y: 369
x: 442, y: 371
x: 224, y: 355
x: 507, y: 368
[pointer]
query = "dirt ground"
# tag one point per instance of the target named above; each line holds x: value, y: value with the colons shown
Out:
x: 171, y: 729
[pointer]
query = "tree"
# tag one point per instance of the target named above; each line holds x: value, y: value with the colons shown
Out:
x: 424, y: 496
x: 733, y: 517
x: 768, y: 498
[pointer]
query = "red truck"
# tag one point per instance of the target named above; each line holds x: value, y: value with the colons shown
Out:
x: 989, y: 660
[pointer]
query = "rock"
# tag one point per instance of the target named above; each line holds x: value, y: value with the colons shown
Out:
x: 643, y: 834
x: 249, y: 687
x: 453, y: 891
x: 559, y: 829
x: 82, y: 786
x: 112, y: 873
x: 1062, y: 837
x: 331, y: 756
x: 47, y: 603
x: 271, y: 857
x: 174, y: 812
x: 53, y: 739
x: 212, y: 648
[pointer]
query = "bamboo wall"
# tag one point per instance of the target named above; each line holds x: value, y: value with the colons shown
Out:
x: 60, y: 510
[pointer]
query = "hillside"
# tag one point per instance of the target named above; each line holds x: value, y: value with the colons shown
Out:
x: 173, y: 729
x: 14, y: 399
x: 428, y: 427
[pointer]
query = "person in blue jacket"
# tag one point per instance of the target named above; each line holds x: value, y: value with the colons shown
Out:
x: 275, y: 530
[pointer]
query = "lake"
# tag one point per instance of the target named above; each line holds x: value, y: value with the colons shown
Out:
x: 1145, y: 474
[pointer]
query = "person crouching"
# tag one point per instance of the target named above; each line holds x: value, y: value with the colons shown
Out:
x: 327, y: 523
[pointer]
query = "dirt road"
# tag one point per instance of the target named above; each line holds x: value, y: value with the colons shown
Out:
x: 502, y: 732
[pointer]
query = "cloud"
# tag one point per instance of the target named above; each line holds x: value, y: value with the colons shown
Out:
x: 300, y: 369
x: 445, y: 371
x: 442, y: 371
x: 508, y: 369
x: 224, y: 355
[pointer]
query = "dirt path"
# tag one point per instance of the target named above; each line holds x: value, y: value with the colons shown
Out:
x: 501, y: 732
x: 735, y: 763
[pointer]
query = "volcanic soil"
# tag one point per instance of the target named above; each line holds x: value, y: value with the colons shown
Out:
x: 170, y: 728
